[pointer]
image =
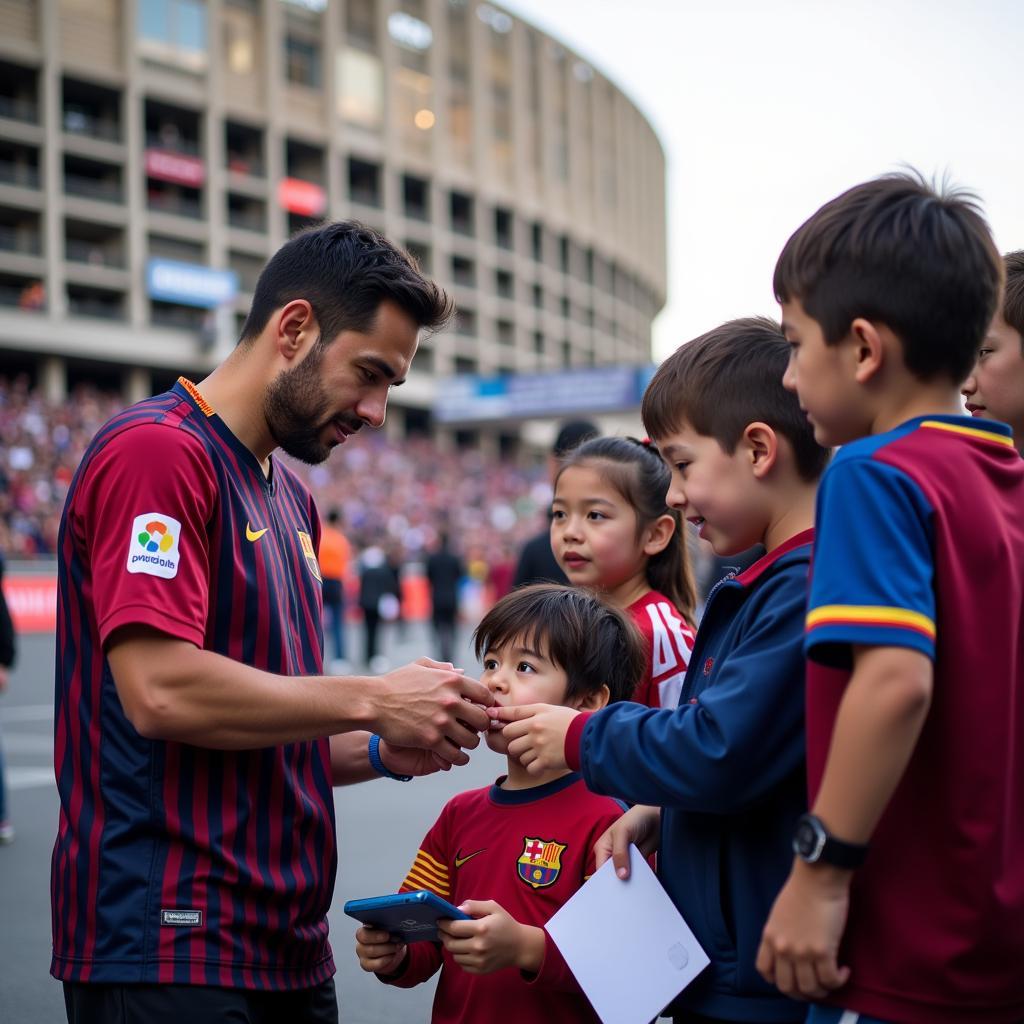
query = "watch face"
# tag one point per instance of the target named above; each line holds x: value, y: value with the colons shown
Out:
x: 808, y: 840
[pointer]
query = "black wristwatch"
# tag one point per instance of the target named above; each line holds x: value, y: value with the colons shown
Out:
x: 813, y: 844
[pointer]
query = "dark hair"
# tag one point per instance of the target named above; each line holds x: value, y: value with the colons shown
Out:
x: 571, y: 434
x: 899, y: 252
x: 727, y: 379
x: 592, y: 642
x: 635, y: 469
x: 345, y: 270
x: 1013, y: 294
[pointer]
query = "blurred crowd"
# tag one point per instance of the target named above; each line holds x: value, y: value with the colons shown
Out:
x: 396, y: 495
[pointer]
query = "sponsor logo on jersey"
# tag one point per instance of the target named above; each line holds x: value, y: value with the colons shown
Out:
x: 153, y: 548
x: 540, y: 863
x: 254, y: 535
x: 307, y: 550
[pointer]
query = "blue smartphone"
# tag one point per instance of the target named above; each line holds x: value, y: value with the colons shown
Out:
x: 409, y: 916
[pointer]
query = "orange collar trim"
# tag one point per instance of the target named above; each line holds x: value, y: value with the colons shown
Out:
x: 196, y: 396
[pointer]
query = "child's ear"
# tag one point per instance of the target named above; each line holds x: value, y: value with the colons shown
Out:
x: 659, y: 533
x: 762, y: 447
x: 594, y: 701
x: 868, y: 348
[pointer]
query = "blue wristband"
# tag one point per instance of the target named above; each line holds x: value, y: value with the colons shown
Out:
x: 378, y: 765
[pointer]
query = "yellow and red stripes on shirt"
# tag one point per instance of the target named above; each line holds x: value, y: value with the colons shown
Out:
x: 427, y: 873
x: 975, y: 432
x: 871, y: 615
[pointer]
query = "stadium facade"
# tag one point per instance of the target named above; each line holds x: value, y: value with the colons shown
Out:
x: 154, y: 153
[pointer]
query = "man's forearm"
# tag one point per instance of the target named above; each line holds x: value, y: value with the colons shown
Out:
x: 172, y: 690
x: 876, y: 730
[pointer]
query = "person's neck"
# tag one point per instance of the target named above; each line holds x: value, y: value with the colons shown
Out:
x: 235, y: 391
x: 913, y: 400
x: 519, y: 778
x: 794, y: 513
x: 629, y: 591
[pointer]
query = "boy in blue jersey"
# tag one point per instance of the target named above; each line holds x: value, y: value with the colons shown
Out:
x: 906, y: 900
x: 719, y: 780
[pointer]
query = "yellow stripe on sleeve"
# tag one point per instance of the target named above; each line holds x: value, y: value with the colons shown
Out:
x: 870, y: 615
x: 414, y: 880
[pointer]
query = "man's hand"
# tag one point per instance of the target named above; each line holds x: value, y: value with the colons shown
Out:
x: 639, y: 825
x: 492, y: 941
x: 3, y: 678
x: 378, y: 952
x: 800, y: 944
x: 536, y: 735
x: 430, y: 705
x: 411, y: 760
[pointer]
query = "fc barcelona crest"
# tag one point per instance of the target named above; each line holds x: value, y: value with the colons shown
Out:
x: 307, y: 550
x: 540, y: 862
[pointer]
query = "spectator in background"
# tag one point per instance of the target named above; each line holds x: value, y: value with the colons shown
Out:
x: 379, y: 598
x: 6, y: 662
x: 444, y: 571
x: 536, y: 562
x: 335, y: 554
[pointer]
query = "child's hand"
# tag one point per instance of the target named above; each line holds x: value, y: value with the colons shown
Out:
x: 492, y: 941
x: 378, y: 952
x: 638, y: 825
x: 536, y: 734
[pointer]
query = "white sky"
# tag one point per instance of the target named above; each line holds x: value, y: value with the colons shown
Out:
x: 768, y: 108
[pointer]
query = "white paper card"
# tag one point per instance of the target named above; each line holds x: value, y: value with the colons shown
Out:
x: 626, y: 943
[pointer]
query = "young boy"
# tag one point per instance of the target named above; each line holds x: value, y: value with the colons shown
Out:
x: 915, y: 732
x: 724, y: 771
x: 995, y: 388
x: 510, y: 855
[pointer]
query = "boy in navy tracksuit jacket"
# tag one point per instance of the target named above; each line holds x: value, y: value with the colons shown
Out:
x: 719, y: 781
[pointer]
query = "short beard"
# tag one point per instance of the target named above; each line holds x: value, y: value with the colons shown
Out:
x: 295, y: 406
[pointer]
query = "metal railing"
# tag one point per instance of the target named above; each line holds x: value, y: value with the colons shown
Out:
x: 13, y: 240
x: 78, y: 250
x: 92, y: 188
x: 79, y: 122
x: 178, y: 206
x: 19, y: 174
x: 18, y: 109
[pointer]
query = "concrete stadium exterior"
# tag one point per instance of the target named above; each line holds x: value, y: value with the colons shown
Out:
x: 153, y: 154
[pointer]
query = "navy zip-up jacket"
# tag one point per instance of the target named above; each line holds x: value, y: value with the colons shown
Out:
x: 727, y: 769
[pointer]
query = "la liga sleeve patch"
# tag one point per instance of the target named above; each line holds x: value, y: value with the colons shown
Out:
x: 153, y: 548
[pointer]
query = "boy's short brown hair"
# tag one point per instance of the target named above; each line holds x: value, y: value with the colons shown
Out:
x: 727, y: 379
x: 899, y: 252
x: 1013, y: 294
x: 592, y: 642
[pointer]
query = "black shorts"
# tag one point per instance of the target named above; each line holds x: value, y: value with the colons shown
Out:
x: 197, y: 1004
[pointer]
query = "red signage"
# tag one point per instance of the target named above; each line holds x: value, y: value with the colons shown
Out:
x: 302, y: 197
x: 32, y: 601
x: 175, y: 168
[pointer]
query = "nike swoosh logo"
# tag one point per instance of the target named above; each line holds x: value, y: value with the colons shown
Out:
x: 254, y: 535
x: 460, y: 860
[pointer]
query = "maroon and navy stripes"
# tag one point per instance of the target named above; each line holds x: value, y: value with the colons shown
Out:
x: 245, y: 837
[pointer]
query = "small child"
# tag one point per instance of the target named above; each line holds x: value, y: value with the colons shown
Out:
x: 611, y: 530
x: 510, y: 855
x: 995, y: 388
x: 906, y: 900
x: 719, y: 780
